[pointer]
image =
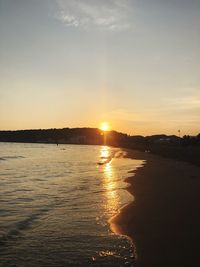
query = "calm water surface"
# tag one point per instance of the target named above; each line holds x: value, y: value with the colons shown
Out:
x: 55, y: 204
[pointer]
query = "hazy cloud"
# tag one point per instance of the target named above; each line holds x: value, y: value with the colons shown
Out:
x: 104, y: 14
x: 184, y: 103
x: 124, y: 114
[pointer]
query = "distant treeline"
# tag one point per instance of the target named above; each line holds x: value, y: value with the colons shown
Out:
x: 186, y: 148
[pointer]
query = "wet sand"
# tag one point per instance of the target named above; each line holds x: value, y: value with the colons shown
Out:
x: 164, y: 219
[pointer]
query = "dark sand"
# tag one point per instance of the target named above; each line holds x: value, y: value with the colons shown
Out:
x: 164, y: 219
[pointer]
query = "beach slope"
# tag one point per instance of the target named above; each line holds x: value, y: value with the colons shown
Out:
x: 164, y: 219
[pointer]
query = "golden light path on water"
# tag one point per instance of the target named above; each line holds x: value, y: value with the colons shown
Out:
x: 111, y: 204
x: 109, y: 182
x: 115, y: 195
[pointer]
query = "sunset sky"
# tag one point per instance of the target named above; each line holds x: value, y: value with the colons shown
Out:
x: 76, y: 63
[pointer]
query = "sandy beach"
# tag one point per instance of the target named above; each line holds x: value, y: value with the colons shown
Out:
x: 164, y: 219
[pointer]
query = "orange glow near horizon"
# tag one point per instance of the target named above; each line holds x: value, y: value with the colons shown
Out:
x: 104, y: 126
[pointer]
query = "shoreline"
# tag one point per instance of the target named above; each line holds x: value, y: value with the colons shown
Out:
x: 163, y: 221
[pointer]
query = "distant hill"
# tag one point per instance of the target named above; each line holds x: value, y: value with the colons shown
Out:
x: 92, y: 136
x: 89, y: 136
x: 186, y: 148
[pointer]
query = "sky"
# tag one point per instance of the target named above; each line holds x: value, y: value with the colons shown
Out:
x: 76, y: 63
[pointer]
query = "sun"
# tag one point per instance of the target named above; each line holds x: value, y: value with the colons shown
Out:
x: 104, y: 126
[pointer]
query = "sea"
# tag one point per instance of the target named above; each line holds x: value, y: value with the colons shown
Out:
x: 56, y: 202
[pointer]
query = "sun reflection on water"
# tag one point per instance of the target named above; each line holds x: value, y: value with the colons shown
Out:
x: 109, y: 182
x: 104, y: 153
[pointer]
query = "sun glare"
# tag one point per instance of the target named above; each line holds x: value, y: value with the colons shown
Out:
x: 104, y: 126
